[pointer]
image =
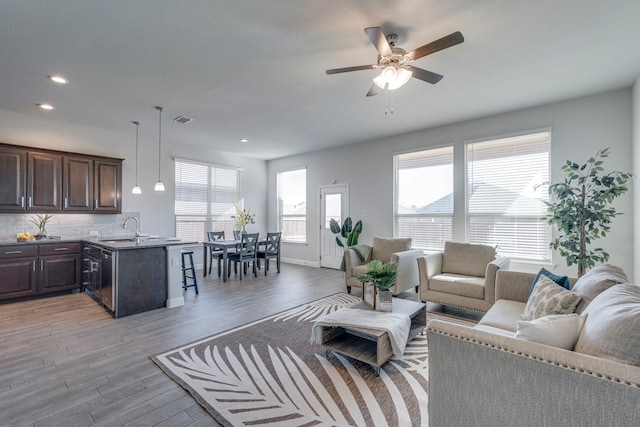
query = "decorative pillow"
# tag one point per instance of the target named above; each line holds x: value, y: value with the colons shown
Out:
x: 596, y: 281
x: 549, y: 298
x: 612, y: 329
x: 557, y: 330
x: 560, y: 280
x: 467, y: 258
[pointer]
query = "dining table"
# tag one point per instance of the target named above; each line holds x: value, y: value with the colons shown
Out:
x: 223, y: 245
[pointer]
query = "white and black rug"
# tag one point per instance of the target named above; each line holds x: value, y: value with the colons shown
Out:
x: 269, y: 373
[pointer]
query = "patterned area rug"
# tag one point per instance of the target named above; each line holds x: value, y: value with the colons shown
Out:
x: 269, y: 373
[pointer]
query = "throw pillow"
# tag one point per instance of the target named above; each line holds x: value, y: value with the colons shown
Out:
x: 557, y: 330
x: 612, y: 329
x: 560, y: 280
x: 596, y: 281
x: 549, y: 298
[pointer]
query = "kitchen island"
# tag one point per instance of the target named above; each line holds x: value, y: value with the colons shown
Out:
x: 125, y: 275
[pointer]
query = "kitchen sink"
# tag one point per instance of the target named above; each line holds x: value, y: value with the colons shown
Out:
x: 131, y: 239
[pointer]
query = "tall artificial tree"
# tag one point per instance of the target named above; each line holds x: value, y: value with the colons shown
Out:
x: 581, y: 209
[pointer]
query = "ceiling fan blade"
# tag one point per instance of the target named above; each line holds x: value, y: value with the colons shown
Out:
x: 373, y: 91
x: 379, y: 40
x: 437, y: 45
x: 347, y: 69
x: 424, y: 75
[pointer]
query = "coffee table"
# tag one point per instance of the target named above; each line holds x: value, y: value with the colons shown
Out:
x: 370, y: 345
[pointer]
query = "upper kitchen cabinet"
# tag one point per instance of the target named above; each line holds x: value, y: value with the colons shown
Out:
x: 77, y: 193
x: 44, y: 182
x: 35, y: 180
x: 13, y: 179
x: 107, y: 184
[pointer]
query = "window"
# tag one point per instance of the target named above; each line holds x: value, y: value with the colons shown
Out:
x: 424, y: 197
x: 205, y: 195
x: 292, y: 205
x: 505, y: 201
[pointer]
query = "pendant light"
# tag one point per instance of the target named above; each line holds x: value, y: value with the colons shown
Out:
x: 136, y: 188
x: 159, y: 185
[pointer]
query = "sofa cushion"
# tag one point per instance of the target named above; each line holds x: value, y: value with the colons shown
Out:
x: 503, y: 314
x: 549, y: 298
x: 467, y: 259
x: 557, y: 330
x: 456, y: 284
x: 359, y: 269
x: 384, y: 247
x: 560, y: 280
x: 612, y: 329
x: 597, y: 280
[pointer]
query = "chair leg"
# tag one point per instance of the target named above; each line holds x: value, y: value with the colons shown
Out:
x: 219, y: 265
x: 278, y: 263
x: 348, y: 289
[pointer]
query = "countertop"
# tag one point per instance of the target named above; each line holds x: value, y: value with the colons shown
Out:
x: 115, y: 243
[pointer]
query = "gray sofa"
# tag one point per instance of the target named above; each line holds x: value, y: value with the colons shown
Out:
x: 485, y: 376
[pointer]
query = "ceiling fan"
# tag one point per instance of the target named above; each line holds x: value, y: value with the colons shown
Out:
x: 395, y: 62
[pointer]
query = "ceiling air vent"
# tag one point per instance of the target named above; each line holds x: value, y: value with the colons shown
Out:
x: 182, y: 119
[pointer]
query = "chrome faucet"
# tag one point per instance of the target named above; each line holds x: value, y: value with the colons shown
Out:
x: 137, y: 227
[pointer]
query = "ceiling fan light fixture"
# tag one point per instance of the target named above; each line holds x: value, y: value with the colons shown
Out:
x: 393, y: 77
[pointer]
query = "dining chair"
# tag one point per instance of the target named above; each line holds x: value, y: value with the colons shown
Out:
x: 271, y: 250
x: 213, y: 253
x: 246, y: 254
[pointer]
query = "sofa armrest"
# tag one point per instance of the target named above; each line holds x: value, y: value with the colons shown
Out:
x: 532, y: 383
x: 429, y: 266
x: 490, y: 277
x: 407, y: 269
x: 351, y: 260
x: 513, y: 285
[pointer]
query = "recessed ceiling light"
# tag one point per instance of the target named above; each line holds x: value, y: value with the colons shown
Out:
x: 244, y: 140
x: 58, y: 79
x: 46, y: 106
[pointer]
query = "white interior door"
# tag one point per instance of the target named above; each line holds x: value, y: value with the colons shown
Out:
x: 334, y: 203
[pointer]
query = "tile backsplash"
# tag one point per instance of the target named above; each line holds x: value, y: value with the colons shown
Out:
x: 70, y: 226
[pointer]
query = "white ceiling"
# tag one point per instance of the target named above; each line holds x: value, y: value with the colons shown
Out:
x: 255, y: 68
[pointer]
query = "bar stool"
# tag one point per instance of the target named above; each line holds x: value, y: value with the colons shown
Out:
x: 191, y: 269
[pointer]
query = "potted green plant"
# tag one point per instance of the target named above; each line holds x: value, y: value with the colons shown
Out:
x: 41, y: 221
x: 580, y: 208
x: 383, y: 276
x: 347, y: 235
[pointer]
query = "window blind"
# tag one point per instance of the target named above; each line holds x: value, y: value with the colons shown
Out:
x: 424, y: 197
x: 204, y: 199
x: 505, y: 196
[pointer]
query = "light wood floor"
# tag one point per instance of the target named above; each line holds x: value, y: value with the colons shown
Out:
x: 64, y: 361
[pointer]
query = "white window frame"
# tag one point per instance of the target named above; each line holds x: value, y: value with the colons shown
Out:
x: 282, y: 217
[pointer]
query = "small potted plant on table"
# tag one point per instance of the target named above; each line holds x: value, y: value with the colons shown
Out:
x: 382, y: 275
x: 41, y: 221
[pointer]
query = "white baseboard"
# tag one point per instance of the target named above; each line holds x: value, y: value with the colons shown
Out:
x: 301, y: 262
x: 175, y: 302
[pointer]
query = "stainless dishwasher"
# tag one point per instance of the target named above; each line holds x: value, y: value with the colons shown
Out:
x: 108, y: 278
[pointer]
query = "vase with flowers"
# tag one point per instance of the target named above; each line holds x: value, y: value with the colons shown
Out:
x: 243, y: 217
x: 383, y: 276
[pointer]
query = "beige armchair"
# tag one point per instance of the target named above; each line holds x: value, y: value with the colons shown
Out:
x: 386, y: 250
x: 464, y: 276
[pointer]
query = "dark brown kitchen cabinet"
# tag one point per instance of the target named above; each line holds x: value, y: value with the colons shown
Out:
x: 13, y: 179
x: 59, y: 267
x: 77, y: 191
x: 18, y: 271
x: 107, y: 184
x: 44, y: 182
x: 39, y: 180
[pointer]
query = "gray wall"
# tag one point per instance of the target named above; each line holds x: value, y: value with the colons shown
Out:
x: 579, y: 128
x: 636, y: 169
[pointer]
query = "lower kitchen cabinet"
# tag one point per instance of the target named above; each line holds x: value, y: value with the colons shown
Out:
x: 59, y: 267
x: 27, y: 270
x: 18, y: 272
